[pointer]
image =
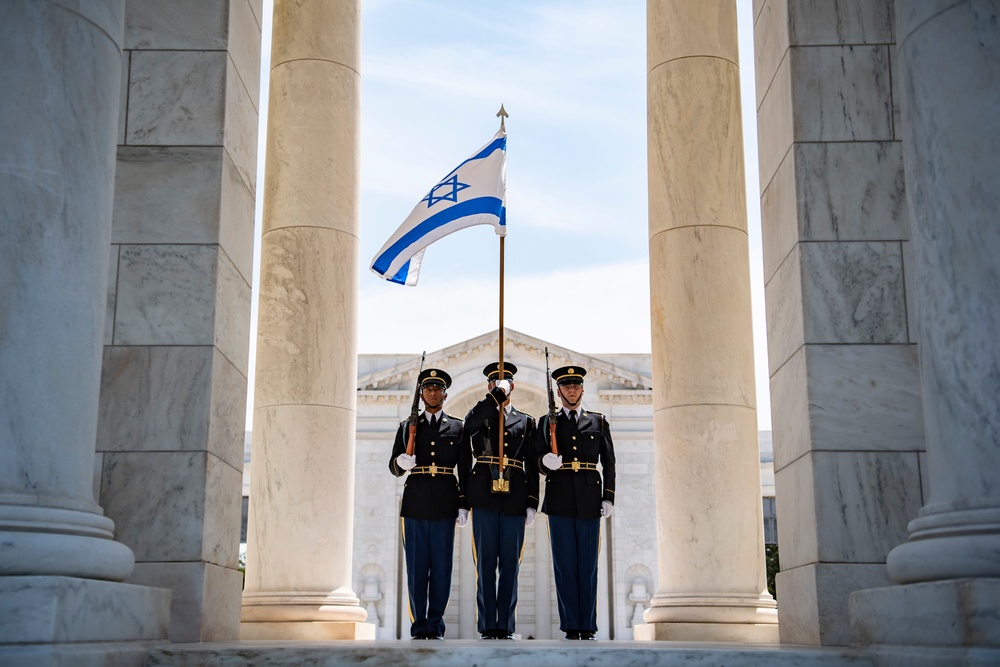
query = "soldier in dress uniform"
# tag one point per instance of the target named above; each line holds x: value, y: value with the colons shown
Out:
x: 430, y: 504
x: 576, y: 499
x: 502, y: 503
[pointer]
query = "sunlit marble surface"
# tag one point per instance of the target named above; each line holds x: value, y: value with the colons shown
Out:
x: 70, y: 609
x: 542, y: 653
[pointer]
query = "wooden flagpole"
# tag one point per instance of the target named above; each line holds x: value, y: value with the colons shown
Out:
x: 501, y: 115
x: 501, y: 376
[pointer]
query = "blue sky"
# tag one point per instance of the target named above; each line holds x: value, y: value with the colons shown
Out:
x: 571, y: 74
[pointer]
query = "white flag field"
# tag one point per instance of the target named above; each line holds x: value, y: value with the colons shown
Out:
x: 473, y: 193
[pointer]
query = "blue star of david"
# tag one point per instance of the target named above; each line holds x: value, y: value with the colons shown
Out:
x: 451, y: 195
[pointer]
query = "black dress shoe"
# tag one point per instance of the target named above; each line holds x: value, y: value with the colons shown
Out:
x: 572, y: 634
x: 587, y: 634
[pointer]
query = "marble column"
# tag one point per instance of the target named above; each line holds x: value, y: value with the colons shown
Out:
x: 60, y: 82
x: 709, y: 519
x: 950, y: 565
x: 300, y: 532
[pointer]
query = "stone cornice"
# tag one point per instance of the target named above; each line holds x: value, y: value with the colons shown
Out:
x: 406, y: 372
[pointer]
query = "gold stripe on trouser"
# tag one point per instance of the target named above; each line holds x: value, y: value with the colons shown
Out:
x: 523, y: 540
x: 597, y: 598
x: 402, y: 530
x: 475, y: 554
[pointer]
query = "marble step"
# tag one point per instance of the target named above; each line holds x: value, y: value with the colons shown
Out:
x: 463, y: 653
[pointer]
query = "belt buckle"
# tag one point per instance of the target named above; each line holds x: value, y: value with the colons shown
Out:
x: 501, y: 486
x: 505, y: 463
x: 434, y: 469
x: 576, y: 466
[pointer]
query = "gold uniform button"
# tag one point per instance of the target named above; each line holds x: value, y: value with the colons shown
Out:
x: 574, y: 447
x: 432, y: 453
x: 506, y: 432
x: 574, y: 437
x: 432, y: 442
x: 575, y: 459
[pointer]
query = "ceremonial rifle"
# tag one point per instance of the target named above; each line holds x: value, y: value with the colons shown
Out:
x: 553, y: 414
x: 414, y: 409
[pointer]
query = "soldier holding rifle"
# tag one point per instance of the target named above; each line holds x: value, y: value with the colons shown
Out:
x: 499, y: 476
x: 427, y: 447
x: 575, y: 499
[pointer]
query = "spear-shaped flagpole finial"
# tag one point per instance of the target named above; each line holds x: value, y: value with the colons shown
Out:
x: 501, y: 115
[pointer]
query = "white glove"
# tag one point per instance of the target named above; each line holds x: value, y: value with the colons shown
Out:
x: 463, y: 518
x: 504, y: 386
x: 529, y: 517
x: 406, y: 461
x: 552, y: 461
x: 606, y: 508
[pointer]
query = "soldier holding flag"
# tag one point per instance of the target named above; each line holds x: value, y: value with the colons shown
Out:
x: 501, y: 488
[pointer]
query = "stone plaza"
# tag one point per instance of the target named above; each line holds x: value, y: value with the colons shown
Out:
x: 129, y: 144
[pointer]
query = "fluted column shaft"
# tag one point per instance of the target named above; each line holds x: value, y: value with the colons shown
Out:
x: 60, y: 79
x: 709, y: 524
x: 298, y: 582
x: 950, y: 83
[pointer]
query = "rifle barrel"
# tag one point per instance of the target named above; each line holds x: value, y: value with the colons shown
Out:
x: 412, y: 435
x: 552, y: 407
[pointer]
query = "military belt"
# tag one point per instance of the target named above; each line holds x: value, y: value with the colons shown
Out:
x: 432, y: 470
x: 495, y: 460
x: 577, y: 466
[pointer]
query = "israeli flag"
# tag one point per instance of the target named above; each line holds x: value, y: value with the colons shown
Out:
x: 473, y: 193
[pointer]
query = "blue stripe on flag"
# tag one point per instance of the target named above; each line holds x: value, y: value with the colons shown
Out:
x: 402, y: 274
x: 500, y: 144
x: 478, y: 206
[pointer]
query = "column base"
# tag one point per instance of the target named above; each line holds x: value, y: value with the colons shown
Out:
x: 48, y: 541
x: 948, y: 544
x: 744, y: 633
x: 62, y: 610
x: 953, y: 613
x: 306, y: 630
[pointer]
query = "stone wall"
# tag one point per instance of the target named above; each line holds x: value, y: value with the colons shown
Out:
x: 846, y: 411
x: 174, y: 380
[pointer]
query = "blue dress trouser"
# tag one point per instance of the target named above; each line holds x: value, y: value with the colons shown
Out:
x: 429, y: 547
x: 575, y: 544
x: 497, y: 540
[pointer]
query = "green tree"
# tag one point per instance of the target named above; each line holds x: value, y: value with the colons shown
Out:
x: 773, y: 566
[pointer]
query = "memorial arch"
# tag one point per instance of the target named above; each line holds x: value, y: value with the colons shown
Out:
x: 128, y: 186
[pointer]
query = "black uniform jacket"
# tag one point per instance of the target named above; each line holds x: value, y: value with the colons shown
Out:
x: 476, y: 475
x: 577, y: 493
x: 430, y: 494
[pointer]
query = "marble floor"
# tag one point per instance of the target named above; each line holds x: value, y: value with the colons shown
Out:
x: 463, y: 653
x: 470, y: 653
